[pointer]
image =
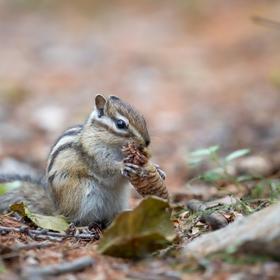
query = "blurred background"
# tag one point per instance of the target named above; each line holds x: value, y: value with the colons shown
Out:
x: 202, y: 72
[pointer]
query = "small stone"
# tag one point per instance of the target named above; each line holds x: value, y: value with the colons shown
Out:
x: 254, y: 165
x: 50, y: 118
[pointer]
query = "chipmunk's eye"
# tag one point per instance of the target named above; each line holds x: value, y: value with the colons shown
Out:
x: 121, y: 124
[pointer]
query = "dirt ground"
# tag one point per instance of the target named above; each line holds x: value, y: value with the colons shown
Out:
x: 201, y: 73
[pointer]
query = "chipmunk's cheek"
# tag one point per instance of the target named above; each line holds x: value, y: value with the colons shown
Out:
x: 140, y: 142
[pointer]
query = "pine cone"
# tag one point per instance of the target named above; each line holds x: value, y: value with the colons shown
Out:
x: 151, y: 183
x: 134, y: 154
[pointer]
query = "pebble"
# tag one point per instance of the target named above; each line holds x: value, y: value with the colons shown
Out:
x: 254, y: 165
x: 49, y: 118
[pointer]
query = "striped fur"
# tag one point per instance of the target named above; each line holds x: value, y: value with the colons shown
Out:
x: 86, y: 187
x: 72, y: 131
x: 84, y: 166
x: 66, y: 141
x: 115, y: 109
x: 83, y: 174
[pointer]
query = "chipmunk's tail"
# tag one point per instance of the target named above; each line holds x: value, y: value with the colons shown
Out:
x: 30, y: 191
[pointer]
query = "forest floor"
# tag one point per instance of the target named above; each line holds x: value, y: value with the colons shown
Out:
x: 201, y: 76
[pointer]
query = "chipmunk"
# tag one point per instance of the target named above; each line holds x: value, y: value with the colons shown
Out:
x: 86, y: 175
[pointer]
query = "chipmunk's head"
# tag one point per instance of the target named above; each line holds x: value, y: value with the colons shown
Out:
x: 118, y: 122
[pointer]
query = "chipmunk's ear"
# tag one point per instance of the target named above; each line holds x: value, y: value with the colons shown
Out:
x: 100, y: 102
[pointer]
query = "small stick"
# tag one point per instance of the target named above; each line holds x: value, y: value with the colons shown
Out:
x: 44, y: 234
x: 153, y: 276
x: 33, y: 245
x: 37, y: 273
x: 196, y: 205
x: 266, y: 22
x: 19, y: 247
x: 215, y: 220
x: 45, y: 237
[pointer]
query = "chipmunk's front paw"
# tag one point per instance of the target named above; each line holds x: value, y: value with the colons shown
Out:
x: 130, y: 170
x: 160, y: 172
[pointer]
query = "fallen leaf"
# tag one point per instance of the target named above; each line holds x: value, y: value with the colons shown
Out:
x: 137, y: 233
x: 56, y: 223
x: 195, y: 230
x: 20, y: 208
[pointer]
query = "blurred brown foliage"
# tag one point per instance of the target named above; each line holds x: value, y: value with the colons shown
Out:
x: 203, y: 73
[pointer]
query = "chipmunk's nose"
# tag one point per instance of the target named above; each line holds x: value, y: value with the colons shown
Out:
x: 147, y: 142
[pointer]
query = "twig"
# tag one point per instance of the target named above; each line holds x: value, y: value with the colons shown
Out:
x: 35, y: 273
x: 153, y: 276
x: 33, y: 245
x: 196, y: 205
x: 143, y: 275
x: 215, y: 219
x: 45, y: 237
x: 45, y: 234
x: 266, y: 22
x: 19, y: 247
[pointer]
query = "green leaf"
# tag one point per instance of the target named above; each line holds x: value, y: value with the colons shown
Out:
x: 9, y: 186
x: 213, y: 175
x: 56, y: 223
x: 197, y: 156
x: 258, y: 190
x: 137, y: 233
x: 274, y: 189
x: 204, y: 152
x: 237, y: 154
x: 231, y: 249
x: 2, y: 268
x: 194, y: 161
